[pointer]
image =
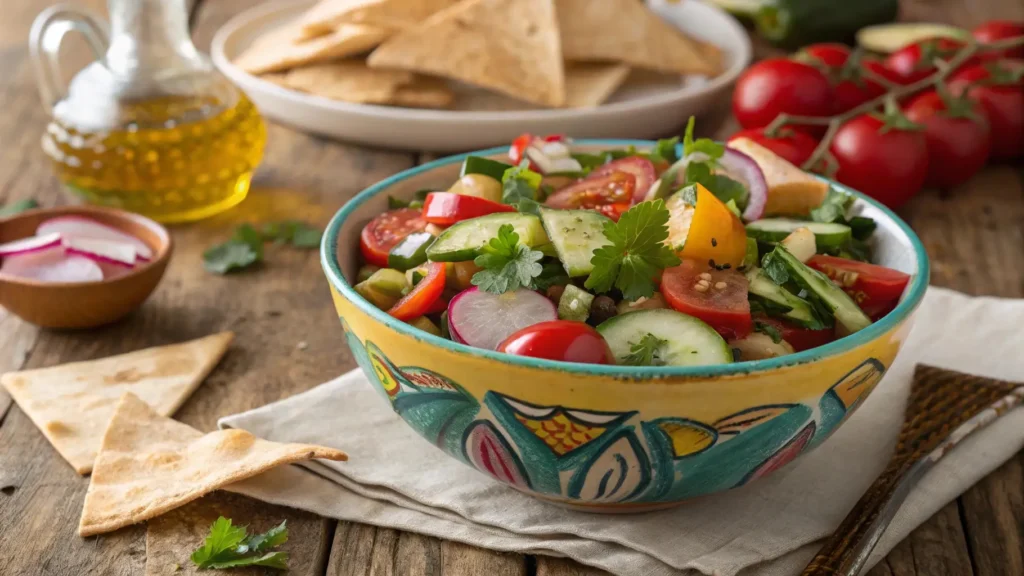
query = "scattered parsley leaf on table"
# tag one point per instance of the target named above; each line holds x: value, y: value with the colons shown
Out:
x: 229, y: 546
x: 646, y: 352
x: 636, y: 253
x: 245, y: 247
x: 506, y: 264
x: 223, y: 537
x: 229, y: 256
x: 17, y: 207
x: 277, y: 560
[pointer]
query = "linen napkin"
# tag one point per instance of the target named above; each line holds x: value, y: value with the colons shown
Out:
x: 767, y: 528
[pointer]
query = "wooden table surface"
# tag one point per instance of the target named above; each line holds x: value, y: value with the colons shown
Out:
x: 289, y: 341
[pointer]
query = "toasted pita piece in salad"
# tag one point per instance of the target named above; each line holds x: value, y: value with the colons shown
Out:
x: 791, y: 191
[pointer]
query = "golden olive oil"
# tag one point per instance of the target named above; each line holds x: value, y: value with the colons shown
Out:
x: 173, y: 159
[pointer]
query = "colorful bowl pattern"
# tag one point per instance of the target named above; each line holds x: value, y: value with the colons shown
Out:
x: 611, y: 438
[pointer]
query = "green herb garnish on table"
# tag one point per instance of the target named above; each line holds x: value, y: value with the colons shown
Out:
x: 245, y: 248
x: 229, y: 546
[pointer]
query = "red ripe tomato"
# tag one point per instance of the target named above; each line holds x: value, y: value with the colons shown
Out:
x: 386, y: 230
x: 958, y: 144
x: 851, y: 86
x: 793, y: 145
x: 914, y: 62
x: 876, y: 289
x: 999, y: 30
x: 447, y: 208
x: 888, y: 165
x: 422, y: 299
x: 1001, y: 96
x: 596, y: 191
x: 780, y: 85
x: 722, y: 304
x: 563, y: 340
x: 799, y: 338
x: 517, y: 151
x: 641, y: 168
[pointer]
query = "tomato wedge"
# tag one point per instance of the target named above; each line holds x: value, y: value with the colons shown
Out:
x: 799, y: 338
x: 423, y: 297
x: 876, y: 289
x: 720, y: 298
x: 641, y: 168
x: 595, y: 192
x: 447, y: 208
x: 387, y: 230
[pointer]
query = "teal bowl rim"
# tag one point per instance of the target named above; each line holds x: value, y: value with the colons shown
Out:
x: 329, y: 261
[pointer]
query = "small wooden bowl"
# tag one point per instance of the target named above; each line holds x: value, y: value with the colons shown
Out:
x: 84, y: 304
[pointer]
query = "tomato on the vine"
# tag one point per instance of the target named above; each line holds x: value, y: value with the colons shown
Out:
x: 780, y: 86
x: 999, y: 88
x: 851, y: 79
x: 957, y: 135
x: 563, y: 340
x: 994, y: 30
x: 885, y: 161
x: 790, y: 143
x: 915, y: 62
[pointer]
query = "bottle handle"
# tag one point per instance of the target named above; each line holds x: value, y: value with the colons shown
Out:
x: 45, y: 38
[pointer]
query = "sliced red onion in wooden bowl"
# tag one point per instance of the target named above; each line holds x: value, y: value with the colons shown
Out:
x: 484, y: 320
x: 29, y: 245
x: 113, y: 252
x: 80, y: 227
x: 52, y: 265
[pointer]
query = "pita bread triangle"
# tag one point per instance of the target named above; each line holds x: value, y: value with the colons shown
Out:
x: 508, y: 46
x: 72, y: 403
x: 628, y: 31
x: 588, y: 85
x: 393, y: 14
x: 149, y: 464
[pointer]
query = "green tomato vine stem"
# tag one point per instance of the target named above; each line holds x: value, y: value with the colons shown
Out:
x: 896, y: 93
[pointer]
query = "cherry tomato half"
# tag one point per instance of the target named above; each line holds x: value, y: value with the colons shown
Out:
x: 799, y: 338
x: 793, y: 145
x: 1002, y: 101
x: 958, y: 146
x: 386, y: 230
x: 889, y: 165
x: 850, y: 82
x: 914, y: 62
x: 593, y: 192
x: 1000, y: 30
x: 446, y: 208
x: 423, y: 297
x: 876, y: 289
x: 722, y: 304
x: 563, y: 340
x: 641, y: 168
x: 780, y: 85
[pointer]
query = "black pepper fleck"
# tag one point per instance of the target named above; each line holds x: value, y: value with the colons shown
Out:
x: 714, y: 243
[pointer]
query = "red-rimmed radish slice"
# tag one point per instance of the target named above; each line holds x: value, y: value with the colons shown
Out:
x: 484, y: 320
x: 81, y: 227
x: 109, y: 251
x: 52, y: 265
x: 31, y: 244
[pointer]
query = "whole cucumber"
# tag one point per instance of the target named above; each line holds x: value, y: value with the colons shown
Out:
x: 794, y: 23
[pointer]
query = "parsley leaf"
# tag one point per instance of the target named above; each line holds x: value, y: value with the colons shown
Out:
x: 775, y: 268
x: 707, y: 146
x: 862, y: 227
x: 768, y: 329
x: 519, y: 187
x: 506, y: 264
x: 223, y: 538
x: 229, y: 546
x: 297, y: 233
x: 270, y: 539
x: 665, y: 150
x: 17, y: 207
x: 646, y: 352
x: 635, y: 254
x: 416, y: 202
x: 277, y: 560
x: 833, y: 208
x: 552, y: 274
x: 244, y: 249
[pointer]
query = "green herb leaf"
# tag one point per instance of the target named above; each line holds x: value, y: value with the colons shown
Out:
x: 272, y: 538
x: 635, y: 254
x: 18, y: 207
x: 766, y: 306
x: 306, y: 236
x: 278, y: 560
x: 707, y: 146
x: 775, y: 268
x: 223, y: 538
x: 297, y: 233
x: 506, y: 264
x: 590, y: 161
x: 249, y: 236
x: 229, y: 546
x: 862, y: 227
x: 833, y: 208
x: 519, y: 187
x: 731, y: 205
x: 688, y: 195
x: 665, y: 150
x: 552, y: 274
x: 646, y: 352
x: 229, y: 256
x: 768, y: 329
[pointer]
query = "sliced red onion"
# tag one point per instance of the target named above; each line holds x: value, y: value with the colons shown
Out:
x: 484, y: 320
x: 82, y: 227
x: 741, y: 167
x: 113, y: 252
x: 31, y: 244
x: 52, y: 265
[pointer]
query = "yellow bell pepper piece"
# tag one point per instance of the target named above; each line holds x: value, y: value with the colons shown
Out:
x: 707, y: 231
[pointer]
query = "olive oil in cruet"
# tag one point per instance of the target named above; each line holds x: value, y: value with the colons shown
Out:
x: 150, y: 126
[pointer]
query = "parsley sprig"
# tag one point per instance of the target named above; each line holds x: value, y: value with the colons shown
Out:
x: 636, y: 252
x: 646, y: 352
x: 229, y: 546
x: 519, y: 187
x: 506, y: 263
x: 245, y: 247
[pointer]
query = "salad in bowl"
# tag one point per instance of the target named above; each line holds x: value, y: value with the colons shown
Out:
x: 622, y: 325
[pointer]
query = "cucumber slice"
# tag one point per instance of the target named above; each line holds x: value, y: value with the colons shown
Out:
x: 888, y: 38
x: 410, y: 252
x: 848, y: 315
x: 383, y: 288
x: 826, y: 234
x: 689, y: 342
x: 800, y: 310
x: 575, y: 235
x: 574, y: 304
x: 464, y: 240
x: 485, y: 166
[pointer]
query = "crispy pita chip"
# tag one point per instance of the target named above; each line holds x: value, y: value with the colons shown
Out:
x: 588, y: 85
x: 149, y: 464
x: 424, y: 92
x: 354, y: 81
x: 286, y: 47
x: 72, y: 403
x: 511, y: 47
x: 627, y: 31
x: 327, y: 15
x: 791, y: 191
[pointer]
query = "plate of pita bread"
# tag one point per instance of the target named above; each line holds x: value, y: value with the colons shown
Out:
x: 454, y: 75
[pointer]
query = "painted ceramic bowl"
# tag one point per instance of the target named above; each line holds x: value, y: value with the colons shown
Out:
x: 611, y: 438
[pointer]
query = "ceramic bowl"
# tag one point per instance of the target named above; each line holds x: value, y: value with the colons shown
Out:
x: 84, y: 304
x: 612, y: 438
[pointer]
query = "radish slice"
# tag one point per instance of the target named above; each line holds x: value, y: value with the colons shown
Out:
x: 102, y: 250
x: 32, y: 244
x: 739, y: 166
x: 485, y: 320
x: 80, y: 227
x: 52, y: 265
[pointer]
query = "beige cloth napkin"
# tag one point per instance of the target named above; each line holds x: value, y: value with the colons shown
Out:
x: 768, y: 528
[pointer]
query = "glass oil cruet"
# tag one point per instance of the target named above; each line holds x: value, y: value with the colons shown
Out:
x: 150, y: 126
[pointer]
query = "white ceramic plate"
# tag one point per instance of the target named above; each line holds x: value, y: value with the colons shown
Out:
x: 645, y: 109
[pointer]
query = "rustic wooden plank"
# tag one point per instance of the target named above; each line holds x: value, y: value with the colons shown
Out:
x: 934, y: 549
x: 551, y: 566
x: 993, y: 513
